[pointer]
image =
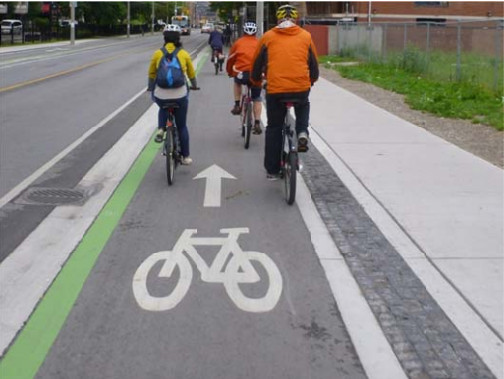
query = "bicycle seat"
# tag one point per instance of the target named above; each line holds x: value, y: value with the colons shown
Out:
x: 292, y: 101
x: 170, y: 106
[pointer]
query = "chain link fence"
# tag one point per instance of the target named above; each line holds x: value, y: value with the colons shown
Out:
x: 32, y: 33
x: 453, y: 51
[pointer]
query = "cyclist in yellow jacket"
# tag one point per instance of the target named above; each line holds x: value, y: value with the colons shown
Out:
x: 180, y: 95
x: 288, y: 56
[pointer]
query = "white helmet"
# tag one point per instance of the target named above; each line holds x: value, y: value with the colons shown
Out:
x: 250, y: 28
x: 172, y: 28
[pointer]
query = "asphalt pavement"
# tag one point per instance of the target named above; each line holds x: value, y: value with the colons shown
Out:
x: 414, y: 221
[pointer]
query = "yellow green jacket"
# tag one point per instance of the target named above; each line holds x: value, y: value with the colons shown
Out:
x: 183, y: 57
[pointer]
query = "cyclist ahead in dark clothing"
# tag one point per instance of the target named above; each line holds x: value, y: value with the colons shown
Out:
x: 216, y: 41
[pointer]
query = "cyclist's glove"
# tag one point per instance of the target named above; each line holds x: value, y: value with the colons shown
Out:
x: 194, y: 84
x: 151, y: 84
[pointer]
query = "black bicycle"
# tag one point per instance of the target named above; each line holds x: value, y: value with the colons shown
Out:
x: 289, y: 164
x: 218, y: 60
x: 171, y: 147
x: 246, y: 116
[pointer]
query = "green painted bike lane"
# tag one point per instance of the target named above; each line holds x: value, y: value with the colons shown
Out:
x: 30, y: 348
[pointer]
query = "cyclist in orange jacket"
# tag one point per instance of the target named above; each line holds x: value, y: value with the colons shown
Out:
x: 288, y: 56
x: 239, y: 65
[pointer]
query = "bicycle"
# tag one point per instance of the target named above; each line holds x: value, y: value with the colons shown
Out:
x: 217, y: 59
x: 232, y: 267
x: 246, y: 106
x: 289, y: 163
x: 171, y: 146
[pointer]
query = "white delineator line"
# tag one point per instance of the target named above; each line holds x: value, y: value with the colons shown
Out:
x: 213, y: 189
x: 30, y: 179
x: 27, y: 273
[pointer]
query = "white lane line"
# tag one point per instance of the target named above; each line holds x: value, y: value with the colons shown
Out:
x: 373, y: 349
x: 28, y: 271
x: 30, y: 179
x: 483, y: 340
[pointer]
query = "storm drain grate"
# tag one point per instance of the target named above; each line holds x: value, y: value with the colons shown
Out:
x: 52, y: 196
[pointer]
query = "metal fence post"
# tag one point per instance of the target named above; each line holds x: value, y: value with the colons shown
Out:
x: 459, y: 50
x: 405, y: 36
x: 498, y: 45
x: 384, y: 50
x: 427, y: 49
x: 369, y: 42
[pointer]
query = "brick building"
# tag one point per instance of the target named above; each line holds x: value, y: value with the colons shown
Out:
x: 404, y: 11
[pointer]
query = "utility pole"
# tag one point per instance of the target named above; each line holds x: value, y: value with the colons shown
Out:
x: 73, y: 4
x: 260, y: 18
x: 129, y: 26
x: 152, y: 19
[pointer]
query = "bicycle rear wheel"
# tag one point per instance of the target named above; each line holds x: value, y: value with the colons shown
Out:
x: 243, y: 116
x: 248, y: 124
x: 170, y: 156
x: 290, y: 168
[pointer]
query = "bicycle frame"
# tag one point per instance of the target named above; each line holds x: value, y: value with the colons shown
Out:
x: 171, y: 146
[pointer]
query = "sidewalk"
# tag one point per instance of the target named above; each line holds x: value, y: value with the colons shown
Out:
x: 35, y: 46
x: 439, y: 206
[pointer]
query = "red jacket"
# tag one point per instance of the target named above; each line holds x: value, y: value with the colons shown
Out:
x: 241, y: 55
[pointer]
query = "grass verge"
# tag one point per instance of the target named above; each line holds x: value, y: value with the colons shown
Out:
x: 461, y: 100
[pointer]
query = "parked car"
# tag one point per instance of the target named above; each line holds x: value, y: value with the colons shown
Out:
x: 207, y: 28
x: 11, y: 26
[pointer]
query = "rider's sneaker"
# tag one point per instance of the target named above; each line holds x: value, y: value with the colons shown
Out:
x: 272, y: 177
x: 159, y: 136
x: 186, y: 161
x: 257, y: 128
x: 302, y: 142
x: 236, y: 110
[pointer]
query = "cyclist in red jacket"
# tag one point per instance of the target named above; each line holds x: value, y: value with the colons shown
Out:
x: 239, y: 65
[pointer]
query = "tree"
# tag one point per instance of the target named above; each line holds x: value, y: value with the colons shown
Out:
x: 225, y: 9
x: 102, y: 12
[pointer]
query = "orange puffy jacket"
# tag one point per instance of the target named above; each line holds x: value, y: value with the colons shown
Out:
x: 288, y: 57
x: 241, y: 54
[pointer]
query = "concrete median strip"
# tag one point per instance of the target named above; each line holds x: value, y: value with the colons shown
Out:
x: 32, y: 278
x: 373, y: 349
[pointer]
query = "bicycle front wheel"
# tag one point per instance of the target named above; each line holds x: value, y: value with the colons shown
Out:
x: 248, y: 123
x: 243, y: 116
x: 290, y: 169
x: 170, y: 156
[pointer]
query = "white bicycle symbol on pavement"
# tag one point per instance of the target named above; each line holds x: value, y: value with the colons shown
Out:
x: 238, y: 270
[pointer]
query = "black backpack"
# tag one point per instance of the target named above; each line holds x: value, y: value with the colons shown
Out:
x: 169, y: 73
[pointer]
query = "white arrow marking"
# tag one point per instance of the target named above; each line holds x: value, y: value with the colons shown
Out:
x: 213, y: 175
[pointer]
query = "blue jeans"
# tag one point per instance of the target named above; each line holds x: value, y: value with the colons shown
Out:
x: 180, y: 119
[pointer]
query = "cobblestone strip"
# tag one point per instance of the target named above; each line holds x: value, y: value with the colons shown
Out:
x: 424, y: 339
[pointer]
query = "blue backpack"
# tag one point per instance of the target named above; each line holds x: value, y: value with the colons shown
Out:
x: 169, y: 73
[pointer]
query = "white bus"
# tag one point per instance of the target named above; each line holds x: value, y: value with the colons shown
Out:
x: 184, y: 22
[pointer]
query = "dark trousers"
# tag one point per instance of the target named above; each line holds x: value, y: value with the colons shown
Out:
x: 180, y: 119
x: 276, y: 111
